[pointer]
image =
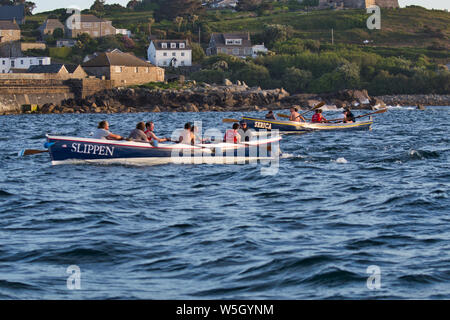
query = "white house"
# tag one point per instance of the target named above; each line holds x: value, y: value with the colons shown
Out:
x: 21, y: 63
x: 165, y: 53
x: 258, y: 48
x: 124, y: 32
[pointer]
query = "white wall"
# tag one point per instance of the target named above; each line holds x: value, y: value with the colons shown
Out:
x: 162, y: 58
x: 22, y: 63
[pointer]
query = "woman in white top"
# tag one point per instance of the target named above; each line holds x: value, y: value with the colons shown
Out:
x: 187, y: 137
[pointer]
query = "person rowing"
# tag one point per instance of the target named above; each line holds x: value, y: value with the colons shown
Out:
x: 103, y: 132
x: 138, y: 134
x: 232, y: 135
x: 349, y: 117
x: 154, y: 140
x: 187, y: 137
x: 295, y: 116
x: 318, y: 117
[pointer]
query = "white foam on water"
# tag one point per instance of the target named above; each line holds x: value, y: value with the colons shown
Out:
x: 341, y: 160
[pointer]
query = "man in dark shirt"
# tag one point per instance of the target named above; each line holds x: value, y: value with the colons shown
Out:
x: 138, y: 134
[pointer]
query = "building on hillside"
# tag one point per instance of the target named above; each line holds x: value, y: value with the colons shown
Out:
x: 124, y: 32
x: 66, y: 43
x: 59, y: 71
x: 22, y: 63
x: 9, y: 31
x: 223, y: 4
x: 123, y: 69
x: 259, y: 49
x: 357, y: 4
x: 170, y: 53
x: 49, y: 26
x: 90, y: 24
x: 13, y: 13
x: 236, y: 44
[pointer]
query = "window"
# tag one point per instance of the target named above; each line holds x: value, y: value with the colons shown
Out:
x: 21, y: 61
x: 136, y: 70
x: 164, y: 45
x: 31, y: 62
x: 173, y: 45
x: 182, y: 62
x: 87, y: 25
x: 174, y: 54
x: 118, y: 69
x: 165, y: 54
x: 95, y: 33
x: 182, y: 46
x: 4, y: 62
x: 182, y: 54
x: 235, y: 51
x: 13, y: 63
x: 238, y: 41
x: 228, y: 41
x: 224, y: 50
x: 40, y: 62
x: 165, y: 63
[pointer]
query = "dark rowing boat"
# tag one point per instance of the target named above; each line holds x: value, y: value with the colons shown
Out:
x: 78, y: 150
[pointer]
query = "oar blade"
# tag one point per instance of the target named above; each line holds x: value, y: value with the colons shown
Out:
x: 29, y: 152
x: 282, y: 115
x: 228, y: 120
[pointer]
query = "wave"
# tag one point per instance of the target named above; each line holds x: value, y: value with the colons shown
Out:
x: 5, y: 193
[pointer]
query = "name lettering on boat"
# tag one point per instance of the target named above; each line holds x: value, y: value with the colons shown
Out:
x: 263, y: 125
x: 92, y: 149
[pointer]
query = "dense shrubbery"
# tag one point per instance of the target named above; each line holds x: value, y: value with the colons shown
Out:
x: 348, y: 67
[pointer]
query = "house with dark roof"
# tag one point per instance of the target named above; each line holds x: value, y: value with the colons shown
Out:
x: 13, y: 13
x: 174, y: 53
x: 123, y: 69
x: 19, y: 64
x: 9, y: 31
x: 59, y: 71
x: 236, y: 44
x: 49, y: 26
x: 90, y: 24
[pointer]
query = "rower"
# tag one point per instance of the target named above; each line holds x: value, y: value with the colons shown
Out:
x: 138, y: 134
x: 295, y: 116
x: 186, y: 136
x: 232, y: 135
x: 195, y: 136
x: 245, y: 133
x: 318, y: 117
x: 102, y: 132
x: 270, y: 115
x: 154, y: 140
x: 349, y: 117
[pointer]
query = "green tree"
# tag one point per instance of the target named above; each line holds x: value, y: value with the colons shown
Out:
x: 58, y: 33
x: 197, y: 52
x: 170, y: 9
x: 296, y: 80
x: 275, y: 32
x: 248, y: 5
x: 98, y: 6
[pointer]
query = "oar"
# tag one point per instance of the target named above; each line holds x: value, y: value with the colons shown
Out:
x: 369, y: 114
x: 320, y: 104
x: 28, y: 152
x: 230, y: 120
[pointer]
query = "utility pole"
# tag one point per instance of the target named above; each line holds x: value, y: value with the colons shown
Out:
x: 199, y: 36
x: 332, y: 36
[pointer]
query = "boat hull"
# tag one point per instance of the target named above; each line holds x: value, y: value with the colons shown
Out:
x: 86, y: 150
x: 290, y: 126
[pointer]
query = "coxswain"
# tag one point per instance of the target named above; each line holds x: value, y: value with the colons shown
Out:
x: 245, y: 133
x: 270, y: 115
x: 102, y: 132
x: 349, y: 117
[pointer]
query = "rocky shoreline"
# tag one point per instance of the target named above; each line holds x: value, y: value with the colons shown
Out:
x: 416, y: 99
x: 227, y: 97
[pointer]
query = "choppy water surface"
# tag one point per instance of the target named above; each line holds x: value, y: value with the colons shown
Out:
x: 340, y: 203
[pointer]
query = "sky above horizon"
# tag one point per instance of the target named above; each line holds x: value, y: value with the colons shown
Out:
x: 48, y: 5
